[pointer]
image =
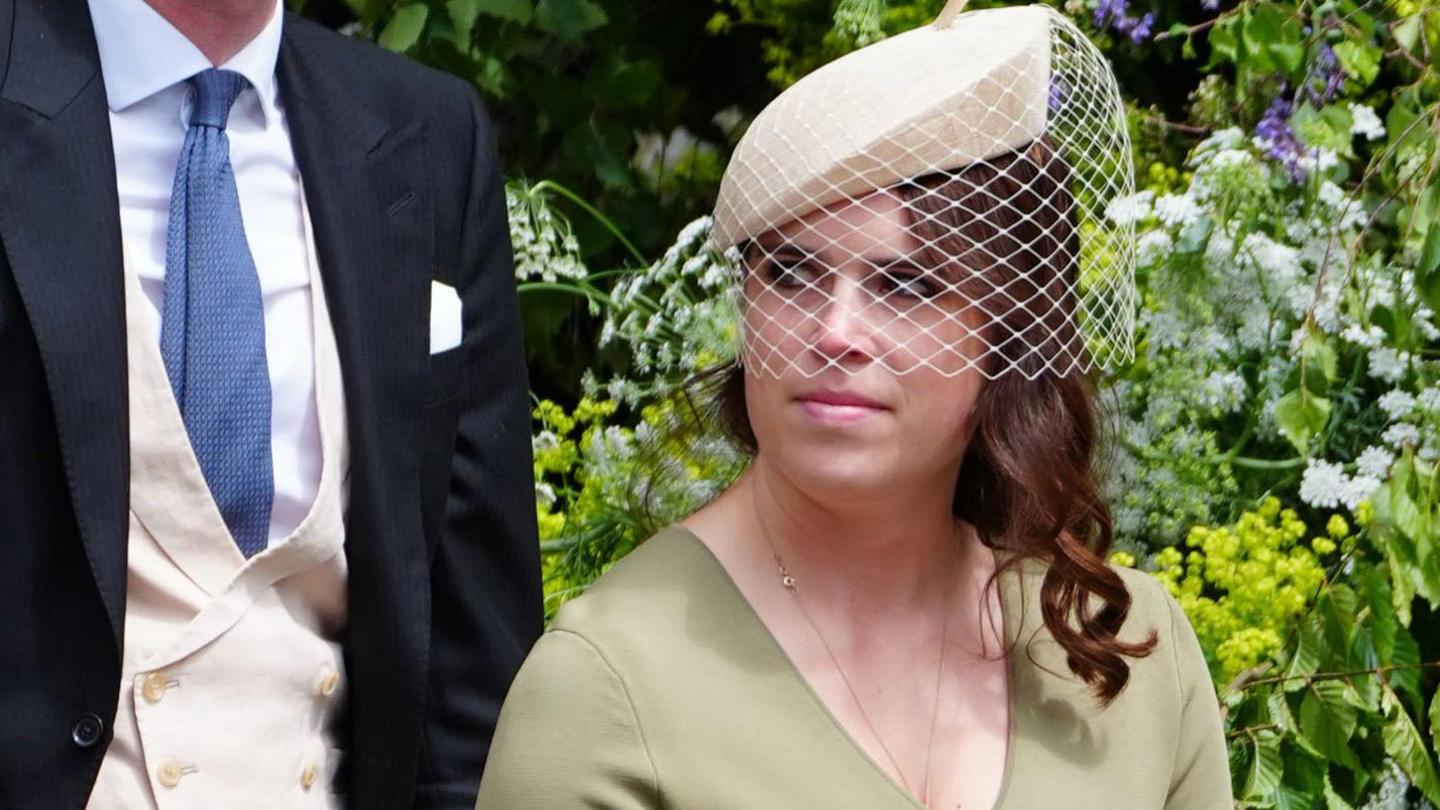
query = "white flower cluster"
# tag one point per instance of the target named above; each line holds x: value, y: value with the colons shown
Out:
x: 1388, y: 363
x: 1325, y: 485
x: 1365, y: 123
x: 1245, y: 267
x: 1375, y: 462
x: 545, y: 247
x: 1131, y: 209
x: 676, y: 316
x: 1174, y: 210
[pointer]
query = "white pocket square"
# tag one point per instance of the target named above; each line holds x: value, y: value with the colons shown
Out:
x: 445, y: 309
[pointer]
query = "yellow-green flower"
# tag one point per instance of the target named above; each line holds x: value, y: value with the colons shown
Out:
x: 1245, y: 585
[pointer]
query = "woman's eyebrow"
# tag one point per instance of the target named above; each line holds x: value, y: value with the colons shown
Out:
x: 785, y: 248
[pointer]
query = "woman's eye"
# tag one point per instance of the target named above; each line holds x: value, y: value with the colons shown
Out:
x: 789, y: 273
x: 908, y: 285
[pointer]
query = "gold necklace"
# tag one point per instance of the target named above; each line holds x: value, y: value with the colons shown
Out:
x: 787, y: 581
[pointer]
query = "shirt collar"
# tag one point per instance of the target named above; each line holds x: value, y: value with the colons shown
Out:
x: 141, y: 53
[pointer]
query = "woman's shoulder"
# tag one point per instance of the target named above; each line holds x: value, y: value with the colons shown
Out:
x: 1175, y: 659
x: 1151, y: 605
x: 651, y: 592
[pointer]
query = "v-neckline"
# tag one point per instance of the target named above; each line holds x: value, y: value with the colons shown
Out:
x: 1008, y: 632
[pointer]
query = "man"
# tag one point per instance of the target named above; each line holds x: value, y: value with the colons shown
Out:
x: 266, y: 512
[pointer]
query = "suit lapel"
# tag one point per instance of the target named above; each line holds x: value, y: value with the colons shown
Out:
x: 60, y: 227
x: 366, y: 189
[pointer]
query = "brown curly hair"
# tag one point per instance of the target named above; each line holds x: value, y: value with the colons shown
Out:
x: 1028, y: 482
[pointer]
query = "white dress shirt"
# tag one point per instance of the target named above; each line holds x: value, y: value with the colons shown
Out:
x: 145, y: 62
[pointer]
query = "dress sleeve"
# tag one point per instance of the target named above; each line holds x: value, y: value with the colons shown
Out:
x: 1200, y: 777
x: 568, y: 736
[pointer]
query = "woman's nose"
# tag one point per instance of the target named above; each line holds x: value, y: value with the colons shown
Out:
x: 841, y: 330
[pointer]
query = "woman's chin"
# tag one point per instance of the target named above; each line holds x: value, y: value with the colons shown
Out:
x: 840, y: 474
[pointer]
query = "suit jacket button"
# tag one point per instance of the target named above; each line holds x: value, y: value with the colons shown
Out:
x: 88, y: 730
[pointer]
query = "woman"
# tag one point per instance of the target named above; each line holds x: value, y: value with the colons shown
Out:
x: 903, y: 601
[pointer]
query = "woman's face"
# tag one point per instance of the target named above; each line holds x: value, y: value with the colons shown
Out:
x: 860, y: 357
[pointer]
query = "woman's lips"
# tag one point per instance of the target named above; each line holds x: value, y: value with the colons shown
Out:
x: 838, y: 407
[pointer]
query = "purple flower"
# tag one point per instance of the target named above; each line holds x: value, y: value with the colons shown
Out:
x: 1115, y: 14
x: 1210, y: 5
x: 1106, y: 10
x: 1327, y: 78
x: 1142, y: 28
x: 1058, y: 93
x: 1278, y: 138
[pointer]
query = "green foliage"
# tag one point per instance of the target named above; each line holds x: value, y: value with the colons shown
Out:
x: 1312, y: 721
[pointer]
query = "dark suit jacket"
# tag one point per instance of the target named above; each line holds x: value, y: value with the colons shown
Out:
x: 403, y: 185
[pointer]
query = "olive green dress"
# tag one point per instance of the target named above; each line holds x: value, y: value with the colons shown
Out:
x: 662, y: 688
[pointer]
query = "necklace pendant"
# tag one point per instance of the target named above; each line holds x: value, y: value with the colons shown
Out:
x: 785, y: 578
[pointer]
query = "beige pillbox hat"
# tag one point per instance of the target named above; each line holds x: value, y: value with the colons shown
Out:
x: 931, y: 99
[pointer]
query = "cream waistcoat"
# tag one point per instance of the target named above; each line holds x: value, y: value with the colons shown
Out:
x: 231, y: 672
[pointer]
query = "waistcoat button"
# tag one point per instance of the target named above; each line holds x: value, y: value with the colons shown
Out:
x: 309, y: 775
x: 154, y: 686
x: 168, y: 774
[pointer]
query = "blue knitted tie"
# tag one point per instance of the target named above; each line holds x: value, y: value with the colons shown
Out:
x: 212, y: 332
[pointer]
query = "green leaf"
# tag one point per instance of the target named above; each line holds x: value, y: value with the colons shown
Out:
x: 1404, y: 511
x: 568, y: 19
x: 368, y: 11
x: 588, y: 145
x: 1306, y: 658
x: 1403, y: 584
x: 1277, y: 706
x: 403, y: 30
x: 1261, y: 30
x: 1407, y: 33
x: 1266, y: 768
x: 1320, y: 356
x: 1327, y: 720
x: 519, y: 11
x: 1224, y: 45
x: 463, y: 14
x: 1380, y: 598
x: 1427, y: 272
x: 1337, y: 608
x: 623, y: 85
x: 1406, y: 680
x: 1433, y: 718
x: 1288, y: 55
x: 1303, y: 783
x: 1300, y: 415
x: 1403, y: 744
x: 1333, y: 800
x: 1328, y: 128
x: 1361, y: 61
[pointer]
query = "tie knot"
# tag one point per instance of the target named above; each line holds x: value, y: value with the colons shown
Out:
x: 215, y: 92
